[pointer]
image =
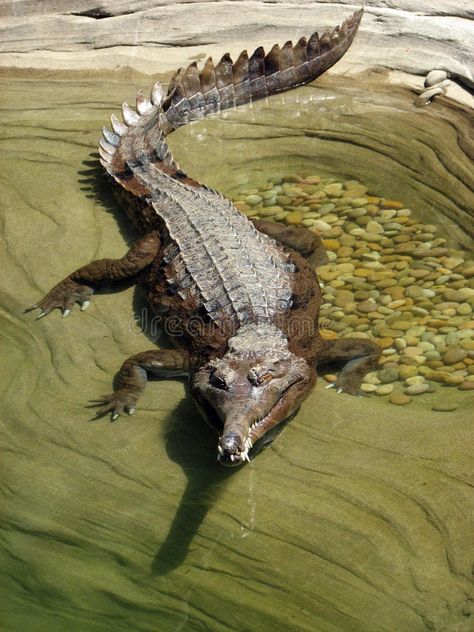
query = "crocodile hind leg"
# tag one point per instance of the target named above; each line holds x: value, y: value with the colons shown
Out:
x: 132, y: 378
x: 359, y: 357
x: 80, y: 285
x: 304, y: 241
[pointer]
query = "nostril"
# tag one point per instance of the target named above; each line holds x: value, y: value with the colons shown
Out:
x: 231, y: 443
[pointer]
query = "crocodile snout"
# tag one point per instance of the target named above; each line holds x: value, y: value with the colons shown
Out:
x: 231, y: 443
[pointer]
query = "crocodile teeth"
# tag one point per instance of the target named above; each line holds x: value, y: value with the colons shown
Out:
x: 220, y: 449
x: 118, y: 127
x: 129, y: 116
x: 143, y: 104
x: 157, y: 93
x: 110, y: 149
x: 110, y: 137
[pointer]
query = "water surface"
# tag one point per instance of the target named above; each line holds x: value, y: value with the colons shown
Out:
x: 357, y: 519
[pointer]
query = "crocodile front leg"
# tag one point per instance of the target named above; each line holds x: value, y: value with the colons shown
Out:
x: 359, y: 355
x: 80, y: 285
x: 132, y: 378
x: 304, y: 241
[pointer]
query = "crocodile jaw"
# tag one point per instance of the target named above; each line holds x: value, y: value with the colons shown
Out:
x: 247, y: 393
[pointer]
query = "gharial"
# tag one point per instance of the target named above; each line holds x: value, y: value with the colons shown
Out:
x: 246, y: 286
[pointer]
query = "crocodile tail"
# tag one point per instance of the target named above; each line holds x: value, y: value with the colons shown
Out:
x: 193, y: 94
x: 139, y: 143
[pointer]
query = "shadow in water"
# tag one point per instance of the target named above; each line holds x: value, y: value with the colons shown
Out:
x: 191, y: 443
x: 97, y: 185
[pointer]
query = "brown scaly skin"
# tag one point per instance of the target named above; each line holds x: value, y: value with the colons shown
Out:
x: 245, y: 327
x: 267, y: 391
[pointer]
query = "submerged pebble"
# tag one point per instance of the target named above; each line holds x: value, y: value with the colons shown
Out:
x: 390, y: 277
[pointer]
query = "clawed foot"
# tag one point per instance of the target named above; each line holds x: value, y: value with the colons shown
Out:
x: 350, y: 389
x: 115, y: 403
x: 63, y: 296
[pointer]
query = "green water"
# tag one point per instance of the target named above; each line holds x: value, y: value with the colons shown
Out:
x: 358, y: 518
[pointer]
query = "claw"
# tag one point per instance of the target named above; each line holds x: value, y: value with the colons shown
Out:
x: 43, y: 313
x: 131, y: 411
x: 332, y: 385
x: 115, y: 416
x: 30, y: 309
x: 85, y: 305
x: 339, y: 390
x: 66, y: 313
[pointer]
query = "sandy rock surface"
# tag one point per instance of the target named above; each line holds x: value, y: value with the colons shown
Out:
x: 153, y: 36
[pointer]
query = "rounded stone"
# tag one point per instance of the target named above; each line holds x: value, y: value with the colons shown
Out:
x: 464, y: 309
x: 384, y: 389
x: 368, y: 388
x: 454, y: 354
x: 292, y: 177
x: 403, y: 325
x: 444, y: 408
x: 367, y: 306
x: 320, y: 225
x: 454, y: 380
x: 343, y: 297
x: 434, y: 77
x: 417, y: 389
x: 399, y: 399
x: 371, y: 378
x: 295, y: 217
x: 466, y: 386
x: 333, y: 189
x: 331, y: 244
x: 326, y: 208
x: 388, y: 375
x: 412, y: 351
x: 269, y: 211
x: 374, y: 227
x: 415, y: 379
x: 252, y: 200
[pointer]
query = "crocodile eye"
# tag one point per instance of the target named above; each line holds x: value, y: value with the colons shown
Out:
x: 259, y: 375
x: 220, y: 378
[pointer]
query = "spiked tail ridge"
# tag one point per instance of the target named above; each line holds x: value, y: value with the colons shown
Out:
x: 193, y: 94
x: 139, y: 141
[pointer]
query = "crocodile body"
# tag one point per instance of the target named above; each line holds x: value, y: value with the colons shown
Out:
x: 241, y: 295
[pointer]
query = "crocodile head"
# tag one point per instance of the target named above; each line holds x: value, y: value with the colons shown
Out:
x: 250, y: 390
